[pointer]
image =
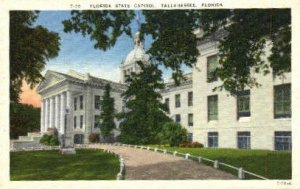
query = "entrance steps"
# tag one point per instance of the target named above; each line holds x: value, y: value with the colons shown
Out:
x: 32, y: 140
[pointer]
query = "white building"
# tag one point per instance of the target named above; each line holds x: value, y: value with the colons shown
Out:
x: 258, y: 118
x: 180, y: 102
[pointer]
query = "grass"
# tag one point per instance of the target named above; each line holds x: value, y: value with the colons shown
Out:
x: 270, y: 164
x: 51, y: 165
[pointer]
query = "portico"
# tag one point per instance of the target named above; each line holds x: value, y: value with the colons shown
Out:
x: 53, y: 111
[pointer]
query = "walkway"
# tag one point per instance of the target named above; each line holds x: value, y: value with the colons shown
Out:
x: 141, y: 164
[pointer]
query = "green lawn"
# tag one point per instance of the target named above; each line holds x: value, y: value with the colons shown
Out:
x: 51, y: 165
x: 270, y: 164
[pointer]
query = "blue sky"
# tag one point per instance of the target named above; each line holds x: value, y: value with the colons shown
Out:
x: 77, y: 52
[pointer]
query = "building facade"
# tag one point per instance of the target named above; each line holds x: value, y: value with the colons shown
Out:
x: 257, y: 118
x: 71, y: 104
x: 179, y: 100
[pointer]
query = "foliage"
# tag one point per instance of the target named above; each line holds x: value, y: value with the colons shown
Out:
x: 144, y: 113
x: 45, y: 139
x: 30, y: 47
x: 175, y: 42
x: 52, y: 165
x: 188, y: 144
x: 49, y: 140
x: 23, y: 119
x: 94, y: 138
x: 105, y: 27
x: 262, y: 162
x: 250, y: 30
x: 107, y: 114
x: 54, y: 140
x: 172, y: 133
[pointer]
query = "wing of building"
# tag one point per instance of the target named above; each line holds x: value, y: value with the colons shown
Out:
x: 257, y: 118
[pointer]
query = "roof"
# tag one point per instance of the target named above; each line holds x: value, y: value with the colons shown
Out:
x: 53, y: 78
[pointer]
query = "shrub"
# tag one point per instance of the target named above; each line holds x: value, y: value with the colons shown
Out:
x: 187, y: 144
x: 197, y: 145
x: 54, y: 141
x: 49, y: 140
x: 172, y: 133
x: 94, y: 138
x: 45, y: 139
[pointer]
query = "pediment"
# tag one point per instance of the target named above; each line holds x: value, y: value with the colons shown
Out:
x: 50, y: 79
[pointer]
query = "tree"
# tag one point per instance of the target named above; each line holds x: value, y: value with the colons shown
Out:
x: 108, y: 114
x: 175, y: 42
x: 23, y: 119
x: 144, y: 113
x: 104, y: 27
x: 248, y: 32
x: 30, y: 47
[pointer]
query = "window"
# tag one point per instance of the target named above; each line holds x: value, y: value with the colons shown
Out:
x: 243, y: 140
x: 190, y: 137
x: 283, y: 140
x: 177, y: 100
x: 81, y: 102
x: 190, y: 99
x: 212, y: 64
x: 213, y: 139
x: 78, y: 139
x: 81, y: 121
x: 167, y: 103
x: 75, y: 122
x: 97, y: 102
x: 243, y: 104
x: 177, y: 118
x: 97, y: 121
x: 282, y: 101
x: 212, y: 106
x: 75, y: 104
x: 190, y: 120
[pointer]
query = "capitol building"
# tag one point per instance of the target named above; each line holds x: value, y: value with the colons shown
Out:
x: 257, y: 118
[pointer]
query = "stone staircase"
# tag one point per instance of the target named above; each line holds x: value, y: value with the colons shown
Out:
x: 30, y: 141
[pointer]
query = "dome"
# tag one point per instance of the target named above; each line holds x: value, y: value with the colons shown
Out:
x: 138, y: 53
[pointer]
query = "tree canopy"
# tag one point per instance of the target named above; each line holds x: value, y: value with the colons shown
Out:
x: 175, y: 42
x: 23, y: 118
x: 144, y: 114
x: 30, y: 47
x: 249, y: 32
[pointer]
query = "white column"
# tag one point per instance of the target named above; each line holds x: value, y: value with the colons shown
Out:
x: 42, y: 117
x: 51, y: 123
x: 46, y: 114
x: 69, y: 100
x: 57, y: 112
x: 62, y: 112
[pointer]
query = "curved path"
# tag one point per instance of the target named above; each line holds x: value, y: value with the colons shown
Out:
x: 141, y: 164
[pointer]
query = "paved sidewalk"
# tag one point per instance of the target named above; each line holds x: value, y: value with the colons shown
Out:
x: 141, y: 164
